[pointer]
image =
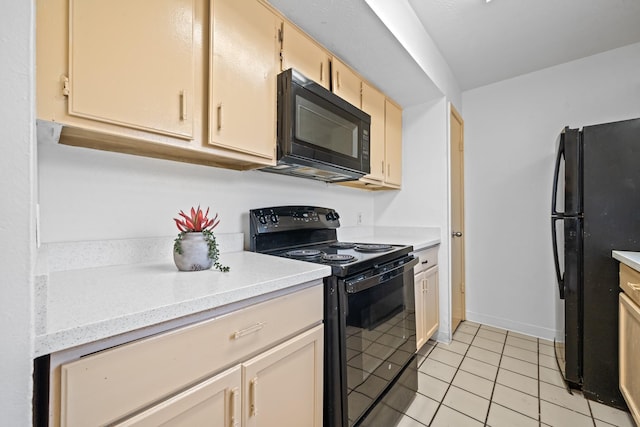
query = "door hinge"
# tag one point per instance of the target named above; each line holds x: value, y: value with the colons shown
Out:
x: 281, y: 33
x: 65, y: 85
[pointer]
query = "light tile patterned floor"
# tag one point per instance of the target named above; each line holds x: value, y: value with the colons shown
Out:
x: 493, y: 377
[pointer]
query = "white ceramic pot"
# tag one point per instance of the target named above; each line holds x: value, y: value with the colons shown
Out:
x: 195, y: 253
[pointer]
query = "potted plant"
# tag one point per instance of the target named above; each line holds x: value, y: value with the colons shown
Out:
x: 195, y: 248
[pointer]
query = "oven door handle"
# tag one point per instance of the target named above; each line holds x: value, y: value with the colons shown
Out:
x: 360, y: 284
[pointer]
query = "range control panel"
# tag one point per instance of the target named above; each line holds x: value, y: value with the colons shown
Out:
x: 287, y: 218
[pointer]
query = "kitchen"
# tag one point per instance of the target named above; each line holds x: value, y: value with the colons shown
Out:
x: 540, y: 103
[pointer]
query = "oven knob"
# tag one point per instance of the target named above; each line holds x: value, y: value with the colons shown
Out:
x: 274, y: 218
x: 330, y: 216
x: 336, y: 216
x: 262, y: 219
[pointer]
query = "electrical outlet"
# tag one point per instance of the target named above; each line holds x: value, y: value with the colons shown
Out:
x: 359, y: 218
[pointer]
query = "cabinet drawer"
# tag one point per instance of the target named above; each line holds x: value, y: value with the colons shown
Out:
x: 428, y: 258
x: 630, y: 282
x: 105, y: 386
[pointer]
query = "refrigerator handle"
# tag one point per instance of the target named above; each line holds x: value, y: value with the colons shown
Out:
x: 554, y: 240
x: 556, y: 172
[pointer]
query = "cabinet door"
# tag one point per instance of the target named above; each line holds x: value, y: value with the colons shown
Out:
x: 373, y: 102
x: 283, y: 386
x: 393, y: 143
x: 132, y: 64
x: 419, y: 284
x: 244, y: 65
x: 629, y: 346
x: 301, y: 52
x: 432, y: 311
x: 214, y: 402
x: 346, y: 83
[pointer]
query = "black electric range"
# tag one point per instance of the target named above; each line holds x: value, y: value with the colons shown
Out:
x: 369, y: 312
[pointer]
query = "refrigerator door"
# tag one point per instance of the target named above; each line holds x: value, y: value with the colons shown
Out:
x: 611, y: 221
x: 568, y: 344
x: 566, y: 199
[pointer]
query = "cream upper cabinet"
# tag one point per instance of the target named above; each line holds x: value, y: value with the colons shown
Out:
x: 244, y: 65
x: 393, y: 144
x: 373, y: 102
x: 132, y: 64
x: 216, y: 401
x: 302, y: 53
x: 346, y: 84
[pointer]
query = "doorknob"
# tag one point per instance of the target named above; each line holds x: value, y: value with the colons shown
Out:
x: 456, y: 234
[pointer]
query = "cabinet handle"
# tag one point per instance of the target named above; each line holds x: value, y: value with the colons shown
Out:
x: 219, y: 116
x: 322, y: 71
x: 183, y: 105
x: 338, y: 78
x: 388, y: 169
x: 382, y: 167
x: 233, y: 421
x: 253, y: 407
x: 634, y: 286
x: 246, y: 331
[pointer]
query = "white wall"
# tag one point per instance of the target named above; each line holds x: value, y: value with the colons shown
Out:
x: 423, y: 201
x: 511, y: 129
x: 88, y: 194
x: 16, y: 210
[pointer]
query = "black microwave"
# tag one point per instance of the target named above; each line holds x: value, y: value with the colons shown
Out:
x: 320, y: 135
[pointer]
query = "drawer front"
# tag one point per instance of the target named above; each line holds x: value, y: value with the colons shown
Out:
x: 108, y: 385
x: 628, y: 355
x: 428, y: 258
x: 630, y: 282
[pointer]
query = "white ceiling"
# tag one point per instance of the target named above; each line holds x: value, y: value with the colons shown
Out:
x: 482, y: 42
x: 488, y: 42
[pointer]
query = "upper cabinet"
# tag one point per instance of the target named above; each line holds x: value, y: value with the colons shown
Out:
x: 393, y: 143
x: 373, y: 102
x: 302, y: 53
x: 118, y: 64
x: 346, y: 83
x: 242, y: 81
x: 190, y: 80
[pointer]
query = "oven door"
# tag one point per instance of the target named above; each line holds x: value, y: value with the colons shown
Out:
x: 380, y: 333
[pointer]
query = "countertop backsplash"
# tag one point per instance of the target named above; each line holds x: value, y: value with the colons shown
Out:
x: 63, y: 256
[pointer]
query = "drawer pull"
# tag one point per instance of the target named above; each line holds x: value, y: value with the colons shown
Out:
x: 425, y: 262
x: 233, y: 404
x: 253, y: 407
x: 634, y: 286
x: 246, y: 331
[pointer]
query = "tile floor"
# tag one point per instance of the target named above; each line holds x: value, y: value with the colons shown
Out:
x: 498, y: 378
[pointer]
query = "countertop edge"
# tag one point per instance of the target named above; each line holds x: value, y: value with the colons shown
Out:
x: 632, y: 259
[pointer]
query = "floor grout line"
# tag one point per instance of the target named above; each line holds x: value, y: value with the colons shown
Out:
x: 466, y: 356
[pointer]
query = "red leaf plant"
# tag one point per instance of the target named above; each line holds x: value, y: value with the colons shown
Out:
x: 198, y: 221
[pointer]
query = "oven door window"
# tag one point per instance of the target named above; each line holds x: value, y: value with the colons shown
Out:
x: 380, y: 339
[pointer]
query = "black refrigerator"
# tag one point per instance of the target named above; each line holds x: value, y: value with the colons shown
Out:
x: 595, y: 209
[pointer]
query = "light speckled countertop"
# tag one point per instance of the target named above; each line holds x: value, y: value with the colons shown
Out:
x: 632, y: 259
x: 76, y: 307
x: 418, y: 237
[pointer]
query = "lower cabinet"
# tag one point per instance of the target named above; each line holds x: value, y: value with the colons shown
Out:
x: 426, y: 295
x: 282, y: 387
x: 629, y: 339
x: 258, y: 366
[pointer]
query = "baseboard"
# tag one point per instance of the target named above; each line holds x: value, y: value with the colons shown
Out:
x: 523, y: 328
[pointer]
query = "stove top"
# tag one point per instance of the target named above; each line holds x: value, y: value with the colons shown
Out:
x: 308, y: 233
